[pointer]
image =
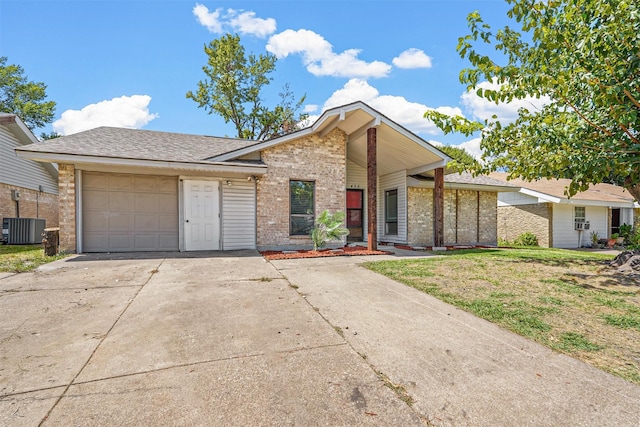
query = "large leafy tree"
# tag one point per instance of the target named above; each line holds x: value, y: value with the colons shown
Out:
x: 22, y: 97
x: 582, y: 54
x: 234, y: 90
x: 462, y: 158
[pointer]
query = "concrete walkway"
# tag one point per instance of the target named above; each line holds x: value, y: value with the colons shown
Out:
x: 229, y: 339
x: 459, y: 370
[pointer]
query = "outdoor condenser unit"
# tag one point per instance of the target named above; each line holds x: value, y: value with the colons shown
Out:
x: 22, y: 231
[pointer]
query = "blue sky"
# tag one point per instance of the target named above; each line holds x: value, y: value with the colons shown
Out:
x: 130, y: 63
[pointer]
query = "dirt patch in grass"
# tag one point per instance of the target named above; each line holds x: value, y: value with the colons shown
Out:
x: 572, y: 302
x: 345, y: 251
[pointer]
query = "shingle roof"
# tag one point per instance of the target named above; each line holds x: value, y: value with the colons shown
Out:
x: 556, y: 188
x: 467, y: 178
x: 138, y: 144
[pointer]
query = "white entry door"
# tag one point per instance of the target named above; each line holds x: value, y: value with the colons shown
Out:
x: 201, y: 215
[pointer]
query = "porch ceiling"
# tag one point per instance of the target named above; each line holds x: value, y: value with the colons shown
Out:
x: 397, y: 148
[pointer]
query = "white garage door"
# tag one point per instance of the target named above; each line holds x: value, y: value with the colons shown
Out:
x: 127, y: 212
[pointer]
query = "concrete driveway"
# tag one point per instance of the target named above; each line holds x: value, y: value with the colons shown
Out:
x: 229, y: 339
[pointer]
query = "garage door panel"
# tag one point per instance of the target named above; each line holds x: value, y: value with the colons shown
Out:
x: 147, y: 202
x: 95, y: 221
x: 96, y: 181
x: 166, y: 223
x: 146, y: 242
x: 146, y: 222
x: 120, y: 242
x: 121, y: 202
x: 120, y: 182
x: 95, y: 201
x: 120, y: 222
x: 167, y: 203
x: 127, y: 212
x: 146, y: 183
x: 167, y: 242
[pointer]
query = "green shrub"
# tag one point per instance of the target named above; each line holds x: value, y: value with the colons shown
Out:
x: 328, y: 227
x: 526, y: 239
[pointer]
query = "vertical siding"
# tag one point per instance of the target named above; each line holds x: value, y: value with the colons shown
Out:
x: 22, y: 172
x: 564, y: 234
x: 357, y: 179
x: 396, y: 180
x: 238, y: 215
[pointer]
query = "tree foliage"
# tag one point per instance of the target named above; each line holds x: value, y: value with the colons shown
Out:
x: 234, y: 90
x: 582, y: 54
x: 22, y: 97
x: 462, y: 160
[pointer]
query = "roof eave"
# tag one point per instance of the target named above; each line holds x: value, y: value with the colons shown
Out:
x: 157, y: 164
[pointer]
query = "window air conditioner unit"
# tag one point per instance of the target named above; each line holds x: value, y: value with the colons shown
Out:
x: 582, y: 225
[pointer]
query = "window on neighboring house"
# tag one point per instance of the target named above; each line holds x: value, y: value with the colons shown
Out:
x: 391, y: 212
x: 301, y: 207
x: 579, y: 214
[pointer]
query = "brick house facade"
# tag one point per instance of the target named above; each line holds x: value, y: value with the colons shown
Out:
x: 244, y: 189
x: 320, y: 160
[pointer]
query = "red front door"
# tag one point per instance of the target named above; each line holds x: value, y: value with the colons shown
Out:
x: 355, y: 215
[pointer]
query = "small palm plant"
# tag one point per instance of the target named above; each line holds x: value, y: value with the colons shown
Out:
x: 328, y: 227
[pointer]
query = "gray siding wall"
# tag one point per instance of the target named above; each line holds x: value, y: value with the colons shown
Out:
x: 22, y: 172
x: 238, y: 215
x: 396, y: 180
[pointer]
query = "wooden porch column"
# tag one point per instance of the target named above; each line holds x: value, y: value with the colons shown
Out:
x: 372, y: 191
x: 438, y: 207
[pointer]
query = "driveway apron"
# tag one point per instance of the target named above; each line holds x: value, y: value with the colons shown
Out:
x: 459, y: 370
x: 177, y: 339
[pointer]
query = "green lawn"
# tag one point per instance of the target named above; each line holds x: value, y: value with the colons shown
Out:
x: 570, y: 301
x: 21, y: 258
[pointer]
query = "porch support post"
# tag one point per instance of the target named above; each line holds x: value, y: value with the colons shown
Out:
x: 372, y: 191
x: 438, y: 208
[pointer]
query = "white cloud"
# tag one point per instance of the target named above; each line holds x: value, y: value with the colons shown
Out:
x: 211, y: 20
x: 484, y: 109
x: 397, y: 108
x: 473, y: 147
x: 310, y: 108
x: 412, y: 58
x: 247, y: 23
x: 232, y: 20
x: 126, y: 111
x: 319, y: 58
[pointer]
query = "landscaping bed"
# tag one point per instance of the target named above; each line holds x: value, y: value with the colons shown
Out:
x: 344, y: 251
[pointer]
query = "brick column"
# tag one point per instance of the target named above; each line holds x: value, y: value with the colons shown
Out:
x: 372, y: 190
x: 438, y: 207
x: 67, y: 207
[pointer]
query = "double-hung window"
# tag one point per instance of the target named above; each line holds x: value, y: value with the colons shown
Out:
x: 391, y: 212
x: 301, y: 207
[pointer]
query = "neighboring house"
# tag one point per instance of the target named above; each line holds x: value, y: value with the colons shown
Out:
x: 138, y: 190
x: 542, y: 208
x: 28, y: 189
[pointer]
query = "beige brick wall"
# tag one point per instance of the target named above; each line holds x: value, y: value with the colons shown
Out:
x: 33, y: 204
x: 420, y: 216
x: 67, y: 207
x: 488, y: 218
x: 462, y: 223
x: 533, y: 218
x: 310, y: 159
